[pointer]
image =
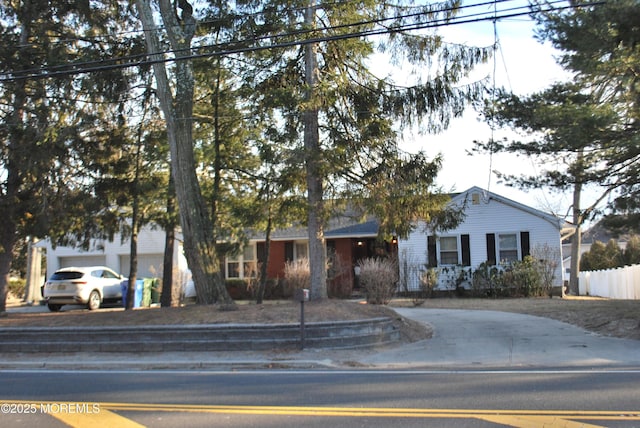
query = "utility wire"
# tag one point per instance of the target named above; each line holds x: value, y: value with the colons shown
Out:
x: 326, y: 5
x: 140, y: 59
x: 231, y: 48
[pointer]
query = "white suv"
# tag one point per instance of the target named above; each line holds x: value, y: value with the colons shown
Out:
x: 89, y: 286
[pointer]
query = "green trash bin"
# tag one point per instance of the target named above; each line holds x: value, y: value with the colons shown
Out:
x: 156, y: 291
x: 146, y: 292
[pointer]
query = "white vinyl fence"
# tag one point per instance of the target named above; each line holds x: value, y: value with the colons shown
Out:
x: 620, y: 283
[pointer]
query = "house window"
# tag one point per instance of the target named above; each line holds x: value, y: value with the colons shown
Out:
x: 233, y: 266
x: 508, y: 247
x: 301, y: 250
x: 242, y: 265
x: 449, y: 250
x: 250, y: 267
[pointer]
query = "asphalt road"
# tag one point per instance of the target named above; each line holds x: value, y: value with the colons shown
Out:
x: 481, y: 369
x: 320, y: 398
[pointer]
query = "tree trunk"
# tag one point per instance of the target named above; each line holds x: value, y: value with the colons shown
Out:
x: 166, y: 298
x: 8, y: 230
x: 32, y: 293
x: 576, y: 240
x: 265, y: 264
x: 133, y: 268
x: 10, y: 196
x: 135, y: 225
x: 317, y: 252
x: 197, y: 228
x: 7, y: 240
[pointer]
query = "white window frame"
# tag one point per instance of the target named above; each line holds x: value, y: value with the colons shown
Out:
x: 298, y: 252
x: 499, y: 248
x: 242, y: 259
x: 439, y: 250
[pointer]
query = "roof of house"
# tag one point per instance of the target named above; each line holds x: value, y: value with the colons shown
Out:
x: 488, y: 196
x: 600, y: 232
x: 339, y: 227
x: 367, y: 229
x: 351, y: 226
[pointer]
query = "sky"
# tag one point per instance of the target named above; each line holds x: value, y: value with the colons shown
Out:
x: 523, y: 65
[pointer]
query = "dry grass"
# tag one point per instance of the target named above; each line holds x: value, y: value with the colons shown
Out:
x: 245, y: 313
x: 618, y: 318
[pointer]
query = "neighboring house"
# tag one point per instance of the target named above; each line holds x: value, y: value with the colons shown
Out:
x: 495, y: 230
x: 597, y: 232
x: 115, y: 255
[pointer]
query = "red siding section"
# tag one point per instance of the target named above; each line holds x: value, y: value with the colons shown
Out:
x: 341, y: 282
x: 275, y: 269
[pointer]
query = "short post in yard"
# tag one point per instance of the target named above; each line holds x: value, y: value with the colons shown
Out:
x: 301, y: 295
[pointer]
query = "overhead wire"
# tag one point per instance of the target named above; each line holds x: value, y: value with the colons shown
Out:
x: 230, y: 48
x: 325, y: 5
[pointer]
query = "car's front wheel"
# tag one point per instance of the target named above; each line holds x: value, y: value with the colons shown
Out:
x: 54, y: 308
x: 94, y: 301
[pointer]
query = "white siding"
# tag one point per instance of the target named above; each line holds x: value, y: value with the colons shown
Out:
x: 149, y: 265
x: 485, y: 214
x: 115, y: 254
x: 412, y: 253
x: 493, y: 216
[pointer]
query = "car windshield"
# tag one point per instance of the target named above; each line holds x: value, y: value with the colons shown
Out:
x: 66, y: 275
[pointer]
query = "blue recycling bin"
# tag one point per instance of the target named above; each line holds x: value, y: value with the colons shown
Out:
x: 137, y: 294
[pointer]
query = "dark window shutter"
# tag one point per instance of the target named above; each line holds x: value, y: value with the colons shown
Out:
x: 288, y: 251
x: 261, y: 250
x: 524, y: 244
x: 431, y: 251
x: 466, y: 250
x: 491, y: 249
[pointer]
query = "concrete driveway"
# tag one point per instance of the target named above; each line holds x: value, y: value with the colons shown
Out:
x: 486, y: 339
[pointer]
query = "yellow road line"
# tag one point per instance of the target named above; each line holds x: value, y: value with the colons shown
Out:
x: 531, y: 421
x: 373, y: 411
x: 102, y: 414
x: 104, y: 418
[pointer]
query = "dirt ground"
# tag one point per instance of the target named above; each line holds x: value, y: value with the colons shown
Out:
x: 618, y: 318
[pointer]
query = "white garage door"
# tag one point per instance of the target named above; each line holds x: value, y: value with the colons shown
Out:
x: 82, y: 261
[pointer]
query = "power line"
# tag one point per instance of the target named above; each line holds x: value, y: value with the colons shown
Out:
x: 325, y: 5
x: 231, y: 48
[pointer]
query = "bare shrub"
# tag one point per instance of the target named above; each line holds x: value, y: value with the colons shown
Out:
x: 297, y: 276
x: 339, y: 279
x: 411, y: 279
x: 252, y: 279
x: 378, y: 279
x: 429, y: 281
x: 548, y: 259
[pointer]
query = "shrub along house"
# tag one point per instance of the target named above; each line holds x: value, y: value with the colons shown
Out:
x: 348, y: 241
x: 495, y: 231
